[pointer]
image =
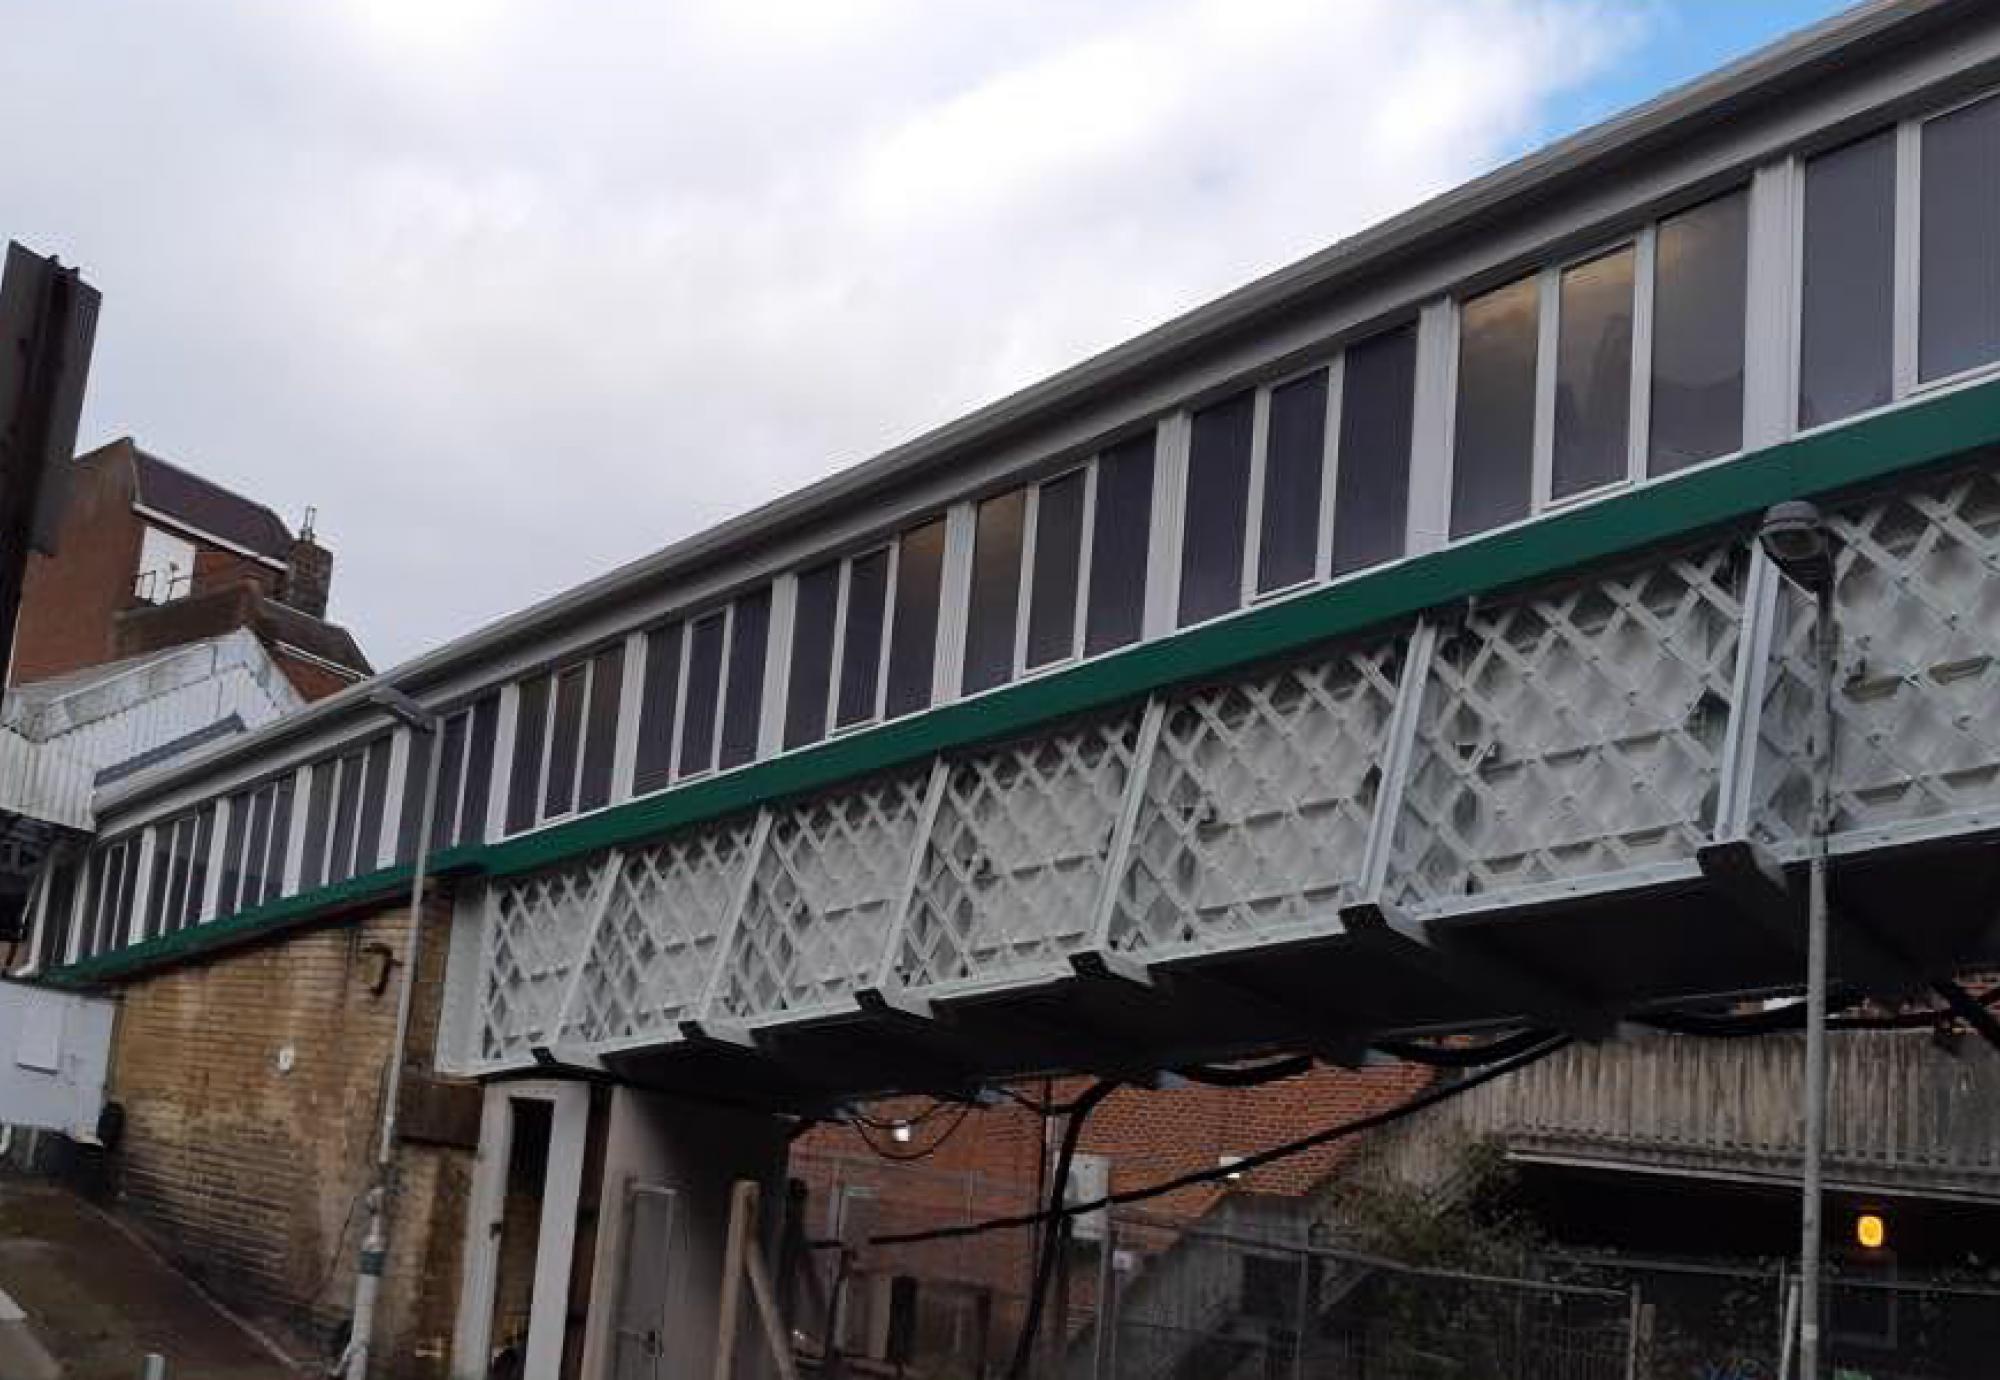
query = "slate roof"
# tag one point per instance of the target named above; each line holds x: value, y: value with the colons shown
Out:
x: 208, y: 507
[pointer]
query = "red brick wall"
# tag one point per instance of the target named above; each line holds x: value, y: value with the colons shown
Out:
x: 69, y: 601
x: 247, y: 1174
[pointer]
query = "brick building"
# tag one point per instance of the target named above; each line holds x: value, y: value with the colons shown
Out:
x: 151, y: 556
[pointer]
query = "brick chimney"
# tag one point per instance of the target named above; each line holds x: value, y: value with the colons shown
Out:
x: 308, y: 573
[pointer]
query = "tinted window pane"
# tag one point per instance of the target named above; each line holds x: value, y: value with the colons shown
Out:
x: 1371, y: 494
x: 524, y: 778
x: 450, y: 744
x: 559, y: 791
x: 156, y: 898
x: 1294, y: 460
x: 204, y: 842
x: 656, y: 707
x: 54, y: 945
x: 1701, y: 286
x: 478, y: 770
x: 1218, y: 499
x: 1058, y: 557
x: 996, y: 588
x: 256, y: 850
x: 600, y: 737
x: 1846, y: 331
x: 319, y: 810
x: 281, y: 840
x: 1594, y: 375
x: 233, y: 835
x: 861, y: 657
x: 740, y: 720
x: 913, y: 638
x: 374, y: 799
x: 345, y: 813
x: 1960, y: 304
x: 816, y: 608
x: 1492, y: 467
x: 1121, y: 533
x: 704, y: 694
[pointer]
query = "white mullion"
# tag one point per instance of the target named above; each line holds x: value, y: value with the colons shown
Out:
x: 685, y: 651
x: 79, y: 890
x: 1329, y: 468
x: 292, y: 867
x: 1548, y: 342
x: 582, y: 732
x: 1905, y: 360
x: 778, y: 638
x: 148, y: 844
x: 895, y: 550
x: 1431, y: 427
x: 553, y: 679
x: 396, y: 786
x: 1248, y: 580
x: 843, y: 587
x: 954, y: 597
x: 1772, y: 332
x: 1024, y: 584
x: 183, y: 901
x: 722, y: 687
x: 505, y: 731
x: 1086, y: 551
x: 1163, y: 567
x: 1639, y: 414
x: 625, y: 741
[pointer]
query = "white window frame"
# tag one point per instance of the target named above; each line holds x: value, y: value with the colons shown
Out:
x: 1906, y: 382
x: 1030, y: 538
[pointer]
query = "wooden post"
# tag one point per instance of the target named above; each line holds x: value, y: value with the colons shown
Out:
x: 741, y: 1260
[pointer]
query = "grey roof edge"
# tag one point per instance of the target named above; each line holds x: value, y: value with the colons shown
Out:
x: 1678, y: 112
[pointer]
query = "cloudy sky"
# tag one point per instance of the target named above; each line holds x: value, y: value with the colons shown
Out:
x: 515, y: 290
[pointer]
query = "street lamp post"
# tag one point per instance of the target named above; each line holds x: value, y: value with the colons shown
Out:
x: 375, y: 1241
x: 1795, y: 537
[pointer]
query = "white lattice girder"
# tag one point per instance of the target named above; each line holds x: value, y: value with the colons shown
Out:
x: 817, y: 918
x: 1010, y: 874
x: 657, y: 942
x: 1574, y: 731
x: 1917, y: 684
x: 1255, y: 812
x: 534, y: 933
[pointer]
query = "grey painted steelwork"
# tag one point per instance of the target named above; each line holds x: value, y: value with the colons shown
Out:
x: 1588, y: 741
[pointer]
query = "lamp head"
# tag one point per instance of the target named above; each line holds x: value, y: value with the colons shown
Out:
x: 1795, y: 537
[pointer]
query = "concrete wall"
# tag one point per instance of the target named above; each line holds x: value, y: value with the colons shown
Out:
x: 251, y: 1084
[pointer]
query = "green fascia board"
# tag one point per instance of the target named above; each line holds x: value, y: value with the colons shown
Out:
x: 1876, y: 447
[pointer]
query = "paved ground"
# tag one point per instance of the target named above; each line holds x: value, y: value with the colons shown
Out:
x: 99, y: 1300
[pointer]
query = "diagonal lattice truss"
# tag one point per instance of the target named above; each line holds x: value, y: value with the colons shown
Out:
x: 1576, y: 731
x: 1255, y: 814
x: 658, y: 938
x: 1917, y: 681
x: 534, y: 933
x: 817, y: 918
x: 1014, y: 863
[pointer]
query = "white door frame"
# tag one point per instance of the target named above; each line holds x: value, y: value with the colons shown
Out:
x: 569, y: 1120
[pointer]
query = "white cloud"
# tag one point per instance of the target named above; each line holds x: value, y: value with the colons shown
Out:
x: 516, y: 289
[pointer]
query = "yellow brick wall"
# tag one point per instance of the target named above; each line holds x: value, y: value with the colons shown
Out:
x: 247, y: 1173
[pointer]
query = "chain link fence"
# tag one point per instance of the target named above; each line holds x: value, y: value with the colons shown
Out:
x: 1248, y: 1290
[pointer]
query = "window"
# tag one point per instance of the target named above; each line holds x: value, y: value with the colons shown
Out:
x: 179, y: 883
x: 464, y: 742
x: 344, y: 804
x: 107, y: 908
x: 702, y: 692
x: 1492, y: 467
x: 1959, y: 301
x: 913, y: 629
x: 1294, y: 466
x: 254, y: 844
x: 1593, y: 403
x: 1700, y: 303
x: 1121, y: 527
x: 166, y: 567
x: 1846, y: 330
x: 841, y: 606
x: 563, y: 742
x: 52, y: 944
x: 1054, y: 577
x: 996, y: 587
x: 1371, y: 491
x: 1218, y: 500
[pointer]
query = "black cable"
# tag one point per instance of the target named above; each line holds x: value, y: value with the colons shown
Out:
x: 875, y: 1124
x: 1247, y: 1076
x: 1422, y: 1101
x: 1052, y: 1242
x: 1463, y: 1056
x: 910, y: 1156
x: 1974, y: 1011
